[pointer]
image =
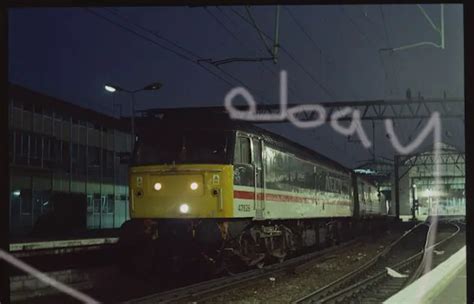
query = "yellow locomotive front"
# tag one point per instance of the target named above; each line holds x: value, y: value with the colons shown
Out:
x: 181, y: 191
x: 181, y: 196
x: 185, y: 174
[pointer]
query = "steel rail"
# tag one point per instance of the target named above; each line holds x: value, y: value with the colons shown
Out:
x: 337, y: 283
x: 327, y: 294
x: 208, y: 289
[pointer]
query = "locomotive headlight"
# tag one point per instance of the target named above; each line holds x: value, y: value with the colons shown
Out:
x: 194, y: 186
x: 184, y: 208
x: 157, y: 186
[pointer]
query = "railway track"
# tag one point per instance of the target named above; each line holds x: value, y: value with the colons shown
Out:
x: 208, y: 289
x: 387, y: 273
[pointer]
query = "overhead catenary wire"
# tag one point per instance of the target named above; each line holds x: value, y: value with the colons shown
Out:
x: 357, y: 28
x: 184, y: 57
x: 196, y: 61
x: 156, y: 34
x: 225, y: 28
x: 285, y: 51
x: 236, y: 59
x: 289, y: 55
x: 290, y: 84
x: 261, y: 63
x: 305, y: 32
x: 302, y: 29
x: 389, y: 45
x: 389, y: 49
x: 259, y: 31
x: 370, y: 21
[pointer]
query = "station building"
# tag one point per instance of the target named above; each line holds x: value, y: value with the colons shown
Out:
x: 65, y: 170
x: 417, y: 183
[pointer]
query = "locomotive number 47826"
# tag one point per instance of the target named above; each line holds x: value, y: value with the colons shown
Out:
x: 244, y: 207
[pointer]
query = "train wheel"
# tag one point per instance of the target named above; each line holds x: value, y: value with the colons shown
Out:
x: 249, y: 252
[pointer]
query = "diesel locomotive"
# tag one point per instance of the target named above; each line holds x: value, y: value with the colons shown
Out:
x: 222, y: 191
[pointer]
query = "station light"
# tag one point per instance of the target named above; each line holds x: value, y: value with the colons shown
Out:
x: 157, y: 186
x: 414, y: 186
x: 16, y: 193
x: 184, y: 208
x: 194, y: 186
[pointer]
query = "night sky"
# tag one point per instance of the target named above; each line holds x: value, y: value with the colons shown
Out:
x: 331, y: 54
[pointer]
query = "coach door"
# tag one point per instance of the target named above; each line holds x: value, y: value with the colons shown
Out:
x: 259, y: 175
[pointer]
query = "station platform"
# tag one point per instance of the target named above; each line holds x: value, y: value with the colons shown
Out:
x: 454, y: 292
x: 408, y: 218
x: 89, y: 240
x: 444, y: 284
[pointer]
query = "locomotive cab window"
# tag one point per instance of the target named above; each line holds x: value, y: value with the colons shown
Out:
x: 243, y: 169
x: 182, y: 146
x: 242, y: 151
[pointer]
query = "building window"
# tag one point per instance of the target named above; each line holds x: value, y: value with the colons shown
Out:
x: 28, y: 107
x: 97, y: 202
x: 90, y: 204
x: 48, y: 112
x: 108, y: 163
x: 18, y: 144
x: 94, y: 156
x: 74, y: 152
x: 65, y: 155
x: 47, y: 148
x: 24, y: 144
x: 38, y: 109
x: 11, y: 138
x: 103, y: 204
x: 81, y: 159
x: 110, y: 204
x: 35, y: 146
x: 25, y: 201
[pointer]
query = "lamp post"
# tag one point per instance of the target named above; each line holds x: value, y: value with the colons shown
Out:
x: 429, y: 193
x: 413, y: 208
x: 151, y: 87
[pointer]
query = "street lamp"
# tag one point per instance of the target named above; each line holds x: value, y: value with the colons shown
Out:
x: 110, y: 88
x: 151, y: 87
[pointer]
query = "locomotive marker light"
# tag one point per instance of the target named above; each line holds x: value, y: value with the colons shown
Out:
x: 157, y: 186
x: 194, y: 186
x: 184, y: 208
